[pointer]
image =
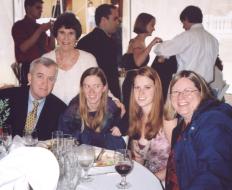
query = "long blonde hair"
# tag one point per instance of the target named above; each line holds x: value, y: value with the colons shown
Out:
x: 96, y: 121
x: 154, y: 121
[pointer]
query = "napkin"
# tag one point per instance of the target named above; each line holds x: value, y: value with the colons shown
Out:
x: 29, y: 165
x: 16, y: 143
x: 102, y: 170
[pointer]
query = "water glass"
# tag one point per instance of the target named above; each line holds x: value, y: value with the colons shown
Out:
x: 86, y: 157
x: 30, y: 137
x: 68, y: 142
x: 57, y: 142
x: 71, y: 173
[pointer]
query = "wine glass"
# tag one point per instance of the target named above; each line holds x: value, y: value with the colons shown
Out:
x: 85, y: 160
x: 6, y: 136
x: 30, y: 137
x: 123, y: 165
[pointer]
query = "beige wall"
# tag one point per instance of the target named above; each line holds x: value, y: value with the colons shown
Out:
x: 47, y: 8
x: 78, y: 8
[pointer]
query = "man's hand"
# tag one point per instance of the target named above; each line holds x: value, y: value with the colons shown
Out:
x: 121, y: 106
x: 158, y: 40
x: 44, y: 27
x: 161, y: 59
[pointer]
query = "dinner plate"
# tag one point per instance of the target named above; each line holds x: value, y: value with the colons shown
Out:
x: 103, y: 157
x: 45, y: 144
x: 48, y: 143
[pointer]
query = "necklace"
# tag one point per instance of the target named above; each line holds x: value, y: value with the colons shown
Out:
x: 65, y: 61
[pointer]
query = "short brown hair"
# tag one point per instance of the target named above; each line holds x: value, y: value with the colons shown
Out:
x: 141, y: 23
x: 31, y: 3
x: 191, y: 13
x: 104, y: 10
x: 69, y: 21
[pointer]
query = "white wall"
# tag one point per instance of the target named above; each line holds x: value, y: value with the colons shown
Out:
x: 6, y: 43
x: 168, y: 24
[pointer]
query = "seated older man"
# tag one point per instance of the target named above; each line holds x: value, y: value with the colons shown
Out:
x: 34, y: 107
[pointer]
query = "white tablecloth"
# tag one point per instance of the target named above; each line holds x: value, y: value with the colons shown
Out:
x: 29, y: 165
x: 139, y: 178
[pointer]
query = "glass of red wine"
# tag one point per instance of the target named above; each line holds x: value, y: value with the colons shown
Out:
x: 123, y: 165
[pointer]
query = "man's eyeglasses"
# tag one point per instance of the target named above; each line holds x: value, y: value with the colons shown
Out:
x: 185, y: 92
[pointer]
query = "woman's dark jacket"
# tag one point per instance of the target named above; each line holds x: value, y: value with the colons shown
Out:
x: 71, y: 123
x: 203, y: 155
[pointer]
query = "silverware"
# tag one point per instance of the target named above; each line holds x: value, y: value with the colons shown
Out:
x: 100, y: 154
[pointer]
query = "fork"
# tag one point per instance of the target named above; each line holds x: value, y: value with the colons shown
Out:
x: 100, y: 154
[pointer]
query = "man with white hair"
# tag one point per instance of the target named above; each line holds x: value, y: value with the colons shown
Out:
x: 34, y: 107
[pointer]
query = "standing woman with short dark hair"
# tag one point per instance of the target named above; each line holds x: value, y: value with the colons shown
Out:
x: 138, y: 53
x: 71, y: 62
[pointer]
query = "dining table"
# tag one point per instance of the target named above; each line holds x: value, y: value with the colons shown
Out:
x: 103, y: 173
x: 106, y: 178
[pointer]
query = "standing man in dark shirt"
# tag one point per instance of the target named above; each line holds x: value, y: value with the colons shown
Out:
x: 30, y: 38
x: 99, y: 42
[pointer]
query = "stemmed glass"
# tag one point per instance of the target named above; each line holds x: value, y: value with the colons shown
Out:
x: 85, y: 160
x: 123, y: 165
x: 6, y: 136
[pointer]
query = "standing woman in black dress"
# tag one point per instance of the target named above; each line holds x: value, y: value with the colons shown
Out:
x: 138, y: 53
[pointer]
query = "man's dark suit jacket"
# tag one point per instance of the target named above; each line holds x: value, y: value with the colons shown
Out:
x: 105, y: 50
x: 18, y: 103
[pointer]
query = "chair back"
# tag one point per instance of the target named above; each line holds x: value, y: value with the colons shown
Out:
x: 17, y: 67
x: 221, y: 93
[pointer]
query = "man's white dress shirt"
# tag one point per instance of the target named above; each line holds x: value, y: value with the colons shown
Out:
x: 195, y: 49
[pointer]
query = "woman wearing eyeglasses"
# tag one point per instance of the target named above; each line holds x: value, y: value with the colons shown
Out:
x: 201, y: 155
x: 92, y: 117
